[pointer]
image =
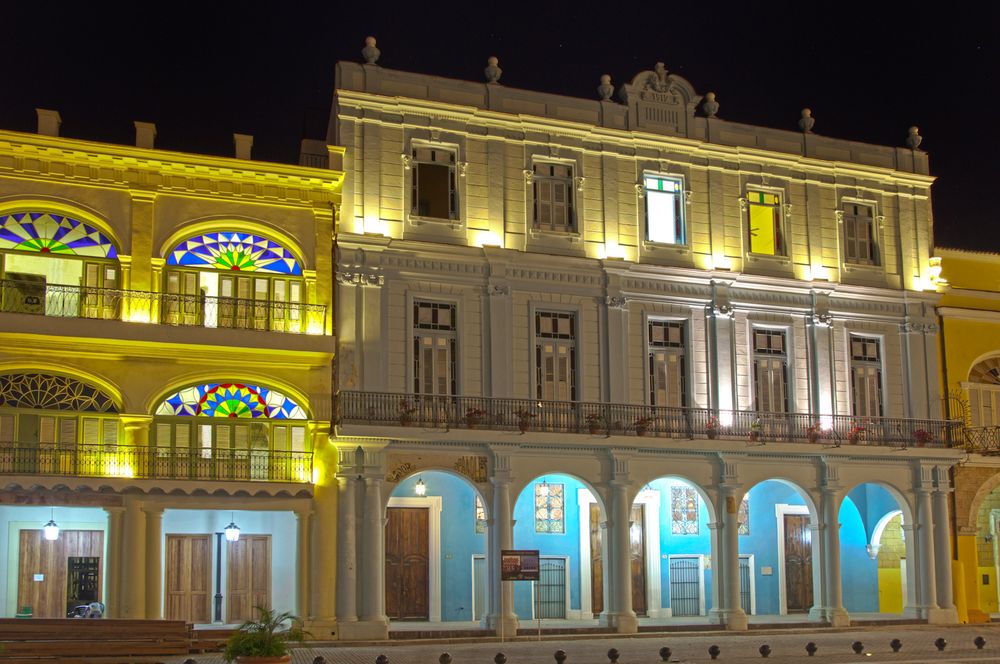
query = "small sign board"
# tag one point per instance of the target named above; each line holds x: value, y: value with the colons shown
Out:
x: 519, y: 565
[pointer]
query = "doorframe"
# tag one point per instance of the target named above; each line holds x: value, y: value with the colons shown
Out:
x: 571, y: 614
x: 753, y: 582
x: 650, y: 499
x: 781, y: 510
x: 433, y: 506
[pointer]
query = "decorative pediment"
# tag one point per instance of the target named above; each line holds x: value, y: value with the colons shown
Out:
x: 660, y: 101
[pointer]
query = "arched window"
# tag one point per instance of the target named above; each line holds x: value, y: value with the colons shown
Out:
x: 248, y: 429
x: 56, y: 265
x: 984, y: 393
x: 233, y: 279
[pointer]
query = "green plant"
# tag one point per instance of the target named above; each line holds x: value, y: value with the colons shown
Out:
x: 267, y: 636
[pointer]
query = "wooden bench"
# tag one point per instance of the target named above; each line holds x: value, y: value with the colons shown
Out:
x: 209, y: 640
x: 44, y: 639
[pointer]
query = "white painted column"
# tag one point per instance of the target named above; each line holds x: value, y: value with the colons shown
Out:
x: 722, y: 383
x: 911, y: 607
x: 303, y: 545
x: 942, y: 549
x: 113, y: 567
x: 736, y: 617
x: 834, y: 600
x: 925, y: 542
x: 616, y: 351
x: 347, y: 555
x: 154, y: 563
x: 502, y: 616
x: 373, y: 591
x: 499, y: 310
x: 621, y: 614
x: 717, y: 614
x: 133, y: 584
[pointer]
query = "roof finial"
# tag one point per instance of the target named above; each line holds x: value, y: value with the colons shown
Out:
x: 710, y: 106
x: 807, y: 121
x: 605, y: 89
x: 914, y: 139
x: 492, y: 70
x: 370, y: 52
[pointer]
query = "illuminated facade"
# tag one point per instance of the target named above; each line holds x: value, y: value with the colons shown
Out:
x: 165, y: 371
x: 669, y: 351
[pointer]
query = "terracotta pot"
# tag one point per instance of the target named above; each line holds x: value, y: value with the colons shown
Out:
x: 640, y: 431
x: 404, y: 420
x: 593, y: 429
x: 282, y: 659
x: 813, y: 436
x: 712, y: 433
x: 523, y: 426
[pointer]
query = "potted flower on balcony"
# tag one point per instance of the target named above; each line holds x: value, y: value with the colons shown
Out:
x: 815, y: 432
x: 922, y: 437
x: 406, y: 410
x: 756, y: 429
x: 524, y: 418
x: 712, y: 427
x: 856, y: 435
x: 473, y: 416
x: 264, y: 640
x: 595, y: 422
x: 642, y: 425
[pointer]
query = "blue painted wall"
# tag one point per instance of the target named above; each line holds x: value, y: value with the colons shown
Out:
x: 859, y: 573
x: 762, y: 541
x: 872, y: 502
x: 459, y: 539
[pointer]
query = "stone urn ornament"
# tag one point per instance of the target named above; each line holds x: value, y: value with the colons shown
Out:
x: 492, y: 70
x: 370, y: 52
x: 914, y: 139
x: 807, y: 121
x: 605, y: 89
x: 710, y: 106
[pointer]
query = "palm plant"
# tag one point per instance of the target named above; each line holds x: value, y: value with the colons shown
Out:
x: 267, y: 636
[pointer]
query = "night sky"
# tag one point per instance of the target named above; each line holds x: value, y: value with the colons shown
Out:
x: 204, y: 71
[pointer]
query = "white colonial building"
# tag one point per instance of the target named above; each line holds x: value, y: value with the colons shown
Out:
x: 693, y: 362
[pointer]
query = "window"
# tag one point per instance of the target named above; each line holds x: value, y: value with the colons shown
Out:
x: 480, y: 515
x: 770, y: 371
x: 555, y: 356
x: 434, y: 336
x: 433, y: 183
x: 550, y: 509
x: 684, y: 511
x: 664, y: 209
x: 743, y: 516
x: 859, y: 233
x: 866, y: 376
x: 666, y: 364
x: 553, y: 188
x: 764, y: 223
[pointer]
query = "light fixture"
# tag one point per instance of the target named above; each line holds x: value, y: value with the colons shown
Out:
x: 420, y: 489
x: 51, y: 529
x: 232, y: 531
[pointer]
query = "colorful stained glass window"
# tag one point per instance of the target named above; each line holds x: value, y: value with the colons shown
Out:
x: 49, y: 233
x: 231, y: 400
x: 480, y: 515
x: 236, y: 251
x: 49, y: 392
x: 684, y: 511
x: 550, y: 513
x: 743, y: 516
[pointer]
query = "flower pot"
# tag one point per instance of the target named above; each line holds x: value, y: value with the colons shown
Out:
x: 712, y: 433
x: 853, y: 440
x: 405, y: 420
x: 523, y: 426
x: 754, y: 436
x: 641, y: 431
x: 812, y: 436
x: 594, y: 429
x: 280, y: 659
x: 471, y: 423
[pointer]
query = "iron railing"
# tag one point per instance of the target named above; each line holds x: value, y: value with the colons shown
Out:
x: 29, y: 297
x: 985, y: 440
x: 154, y: 463
x: 446, y: 412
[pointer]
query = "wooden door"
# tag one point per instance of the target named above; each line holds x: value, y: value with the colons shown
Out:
x: 407, y: 568
x: 249, y: 577
x: 637, y: 558
x: 189, y: 578
x: 798, y: 563
x: 596, y: 562
x: 47, y: 561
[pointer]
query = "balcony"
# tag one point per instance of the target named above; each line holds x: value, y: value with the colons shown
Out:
x: 755, y: 428
x: 121, y: 461
x: 64, y: 301
x: 985, y: 440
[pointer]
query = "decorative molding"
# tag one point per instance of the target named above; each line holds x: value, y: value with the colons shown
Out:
x: 744, y: 203
x: 722, y: 311
x: 580, y: 180
x: 407, y: 161
x: 616, y: 301
x: 822, y: 320
x: 529, y: 175
x: 840, y: 216
x: 640, y: 190
x: 462, y: 168
x: 401, y: 471
x: 788, y: 210
x: 498, y: 290
x: 473, y: 467
x: 923, y: 328
x: 360, y: 278
x: 687, y: 196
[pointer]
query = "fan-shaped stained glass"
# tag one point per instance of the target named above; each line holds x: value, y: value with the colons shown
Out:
x: 231, y: 400
x: 236, y: 251
x: 51, y: 392
x: 50, y: 233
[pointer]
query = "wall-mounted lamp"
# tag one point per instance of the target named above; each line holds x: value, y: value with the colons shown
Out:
x: 420, y: 489
x: 232, y: 531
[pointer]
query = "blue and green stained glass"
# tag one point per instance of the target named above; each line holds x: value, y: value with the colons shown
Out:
x: 236, y: 251
x: 50, y: 233
x: 231, y: 400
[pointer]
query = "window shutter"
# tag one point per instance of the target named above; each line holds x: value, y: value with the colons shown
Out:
x: 67, y: 430
x: 298, y: 439
x: 109, y: 432
x: 182, y: 435
x: 163, y: 434
x: 91, y: 431
x: 46, y: 430
x: 7, y: 428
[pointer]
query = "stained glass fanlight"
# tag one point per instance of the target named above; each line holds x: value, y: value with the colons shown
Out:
x: 50, y: 233
x: 239, y: 400
x: 235, y: 251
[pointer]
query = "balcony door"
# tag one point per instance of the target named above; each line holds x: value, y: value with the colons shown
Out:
x: 100, y: 298
x: 183, y: 303
x: 243, y: 302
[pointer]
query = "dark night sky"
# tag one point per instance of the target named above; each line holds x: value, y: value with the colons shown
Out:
x: 204, y: 71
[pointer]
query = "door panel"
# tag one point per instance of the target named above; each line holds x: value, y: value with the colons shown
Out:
x: 407, y: 568
x: 249, y: 577
x: 685, y: 586
x: 637, y: 557
x: 596, y: 562
x: 189, y: 578
x: 38, y: 556
x: 798, y: 563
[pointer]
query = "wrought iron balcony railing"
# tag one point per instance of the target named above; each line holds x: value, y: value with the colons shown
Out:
x: 985, y: 440
x: 154, y: 463
x: 444, y: 412
x: 29, y: 297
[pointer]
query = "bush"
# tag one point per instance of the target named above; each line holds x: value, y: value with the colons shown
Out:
x: 265, y: 637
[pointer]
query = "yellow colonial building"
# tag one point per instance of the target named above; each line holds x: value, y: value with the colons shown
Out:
x: 970, y: 320
x: 165, y: 377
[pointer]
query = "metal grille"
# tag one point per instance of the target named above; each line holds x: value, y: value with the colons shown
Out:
x: 551, y: 588
x: 478, y: 587
x: 685, y: 587
x: 745, y: 584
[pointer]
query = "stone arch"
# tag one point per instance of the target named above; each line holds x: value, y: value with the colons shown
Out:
x: 985, y: 369
x: 900, y: 497
x: 876, y: 538
x: 416, y: 472
x: 518, y: 488
x: 702, y: 492
x: 235, y: 229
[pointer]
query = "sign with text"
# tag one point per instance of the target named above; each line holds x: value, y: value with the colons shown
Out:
x: 519, y: 565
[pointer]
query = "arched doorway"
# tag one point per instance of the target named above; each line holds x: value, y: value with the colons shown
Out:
x: 436, y: 552
x: 988, y: 552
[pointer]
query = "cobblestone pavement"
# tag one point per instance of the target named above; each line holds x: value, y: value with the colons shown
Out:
x: 786, y: 645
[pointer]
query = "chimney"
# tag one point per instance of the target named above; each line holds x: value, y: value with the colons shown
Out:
x: 244, y: 143
x: 48, y: 122
x: 145, y: 134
